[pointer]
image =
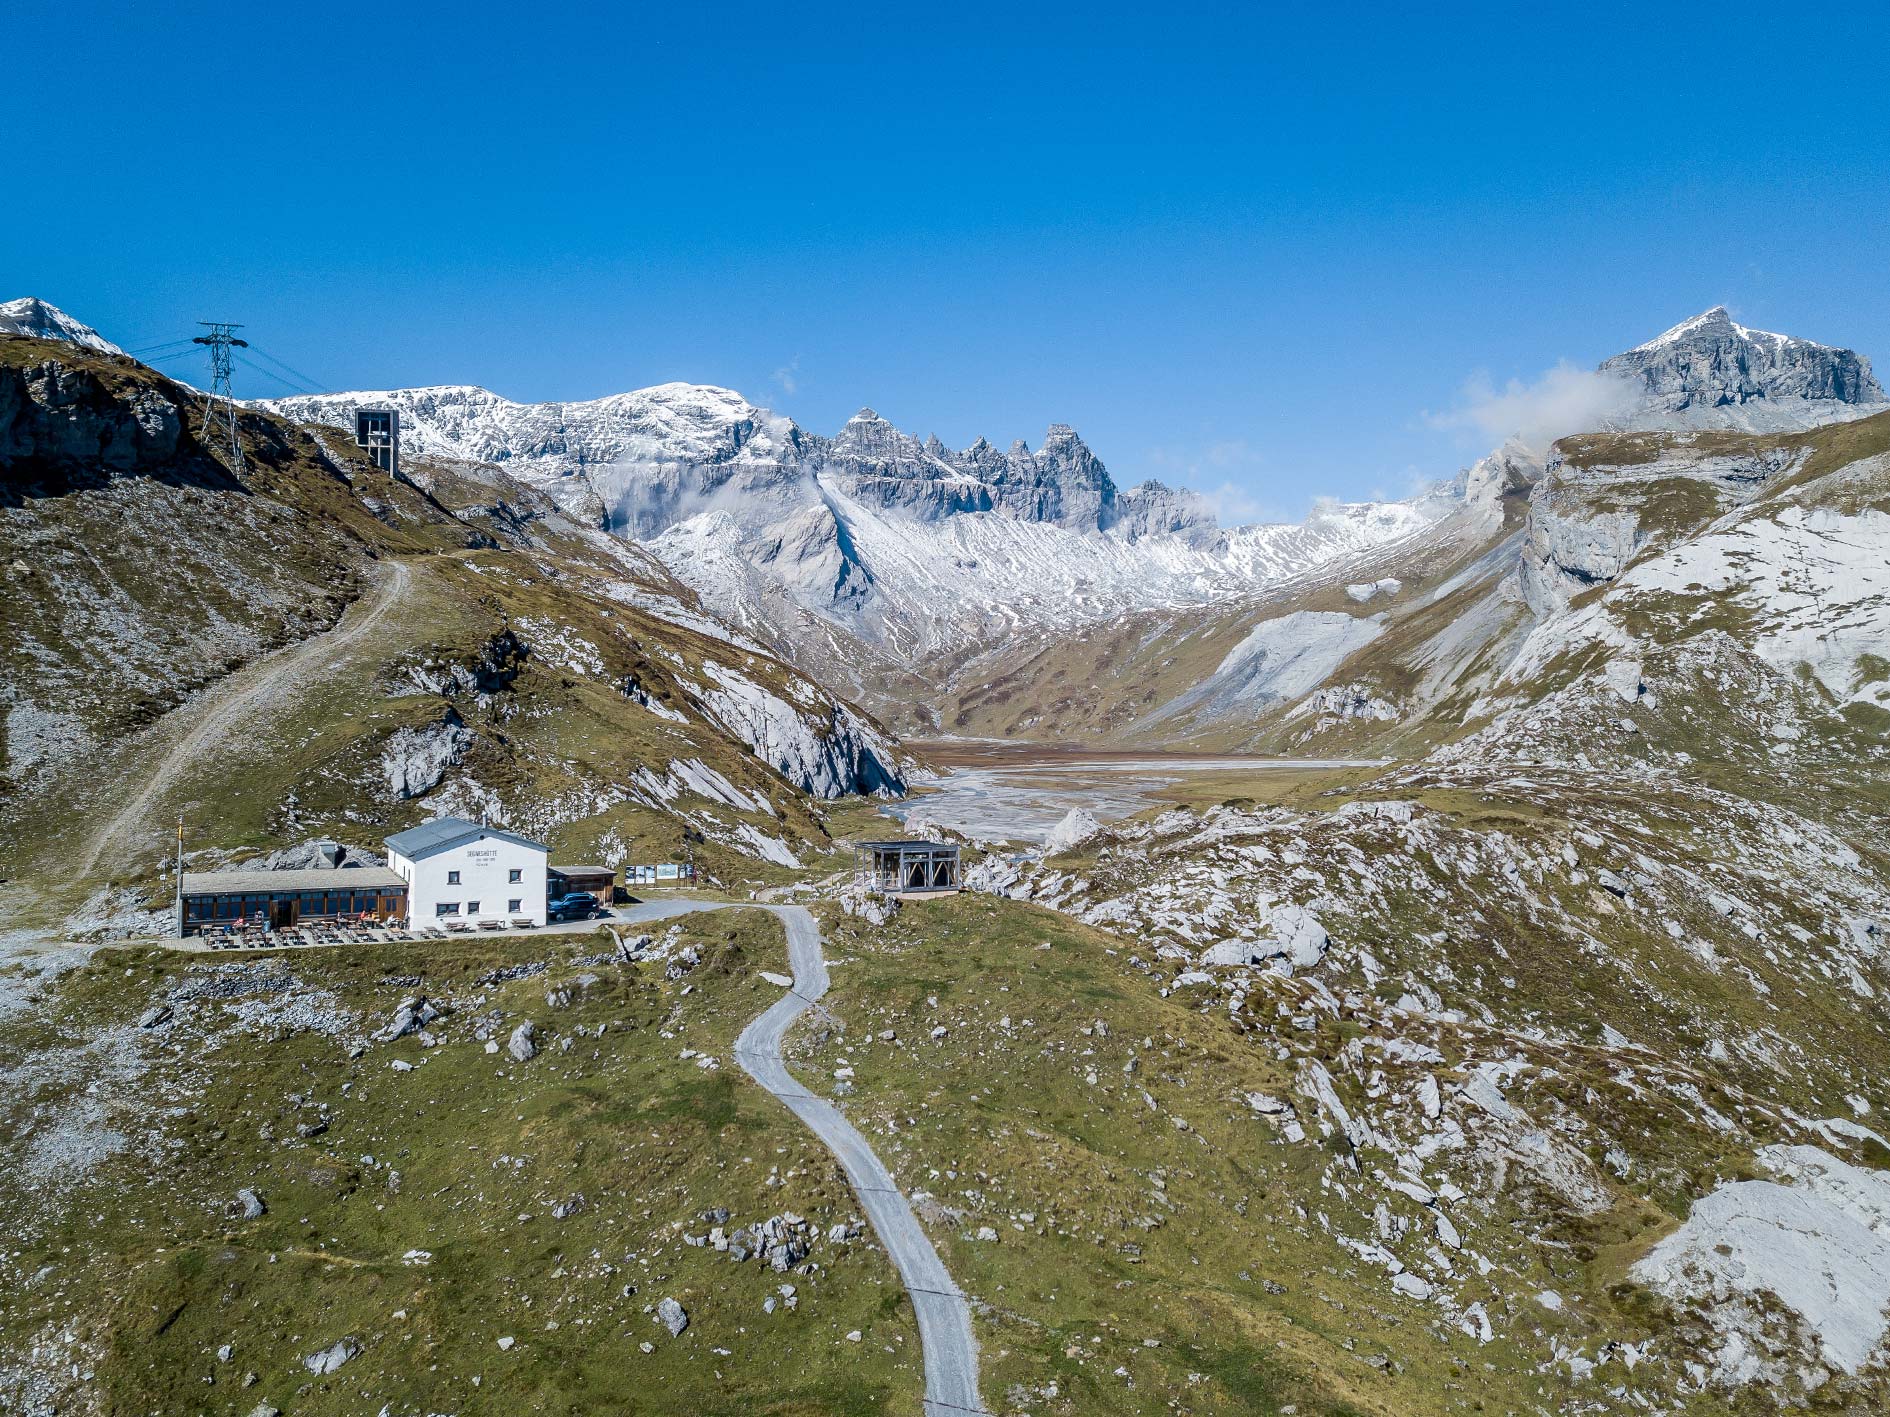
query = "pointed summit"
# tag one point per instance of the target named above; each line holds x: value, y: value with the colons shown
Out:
x: 1710, y: 371
x: 41, y: 320
x: 1718, y: 318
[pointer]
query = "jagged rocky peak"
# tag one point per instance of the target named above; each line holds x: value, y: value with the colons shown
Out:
x: 882, y: 467
x: 872, y: 446
x: 1062, y: 482
x: 43, y: 320
x: 1156, y: 509
x: 1710, y: 362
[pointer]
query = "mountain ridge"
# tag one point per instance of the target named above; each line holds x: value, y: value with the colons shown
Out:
x: 873, y: 553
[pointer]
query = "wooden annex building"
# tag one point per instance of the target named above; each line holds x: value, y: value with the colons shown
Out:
x: 910, y: 867
x: 600, y: 881
x: 214, y: 901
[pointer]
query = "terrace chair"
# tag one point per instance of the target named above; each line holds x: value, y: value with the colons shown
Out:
x: 524, y: 922
x: 490, y: 924
x: 459, y: 927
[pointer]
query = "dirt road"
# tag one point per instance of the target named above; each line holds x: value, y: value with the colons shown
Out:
x: 198, y: 726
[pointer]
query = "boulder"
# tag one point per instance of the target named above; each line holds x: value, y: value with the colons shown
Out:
x: 329, y: 1359
x: 672, y: 1316
x: 521, y: 1045
x: 875, y: 909
x: 409, y: 1017
x: 1077, y: 827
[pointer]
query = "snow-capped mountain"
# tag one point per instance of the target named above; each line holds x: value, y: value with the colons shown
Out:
x: 856, y: 552
x: 874, y: 544
x: 1708, y: 372
x: 40, y: 320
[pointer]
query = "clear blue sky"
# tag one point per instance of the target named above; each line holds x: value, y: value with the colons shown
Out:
x: 1230, y: 243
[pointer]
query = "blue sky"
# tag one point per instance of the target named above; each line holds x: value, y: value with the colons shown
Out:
x: 1236, y: 245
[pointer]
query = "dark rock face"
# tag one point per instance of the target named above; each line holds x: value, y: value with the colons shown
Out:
x: 1062, y: 482
x: 54, y: 414
x: 873, y: 462
x: 1710, y: 362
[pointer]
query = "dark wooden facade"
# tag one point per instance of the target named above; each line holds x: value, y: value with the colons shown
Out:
x: 216, y: 901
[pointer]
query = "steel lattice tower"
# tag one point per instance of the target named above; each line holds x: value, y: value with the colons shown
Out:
x: 222, y: 341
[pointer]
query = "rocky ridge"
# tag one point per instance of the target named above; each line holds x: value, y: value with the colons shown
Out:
x: 1710, y: 372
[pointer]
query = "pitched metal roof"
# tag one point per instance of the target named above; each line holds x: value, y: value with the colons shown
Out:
x: 341, y: 878
x: 908, y: 845
x: 444, y: 833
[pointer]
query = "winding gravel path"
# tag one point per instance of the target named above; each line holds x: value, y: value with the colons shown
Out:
x: 944, y: 1316
x: 206, y: 719
x: 951, y: 1353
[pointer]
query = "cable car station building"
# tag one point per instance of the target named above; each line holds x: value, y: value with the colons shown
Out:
x: 910, y: 867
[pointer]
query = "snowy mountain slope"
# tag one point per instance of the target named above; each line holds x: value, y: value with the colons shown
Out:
x: 1222, y: 675
x: 40, y: 320
x: 875, y: 554
x: 860, y: 554
x: 1712, y: 563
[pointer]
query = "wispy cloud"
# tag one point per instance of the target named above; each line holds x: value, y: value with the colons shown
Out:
x: 1215, y: 471
x: 1562, y: 400
x: 788, y: 376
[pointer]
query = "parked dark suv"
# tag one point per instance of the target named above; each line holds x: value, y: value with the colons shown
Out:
x: 579, y: 905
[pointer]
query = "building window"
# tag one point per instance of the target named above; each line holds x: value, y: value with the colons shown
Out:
x: 515, y: 876
x: 446, y: 907
x: 472, y: 907
x: 514, y: 906
x: 452, y: 878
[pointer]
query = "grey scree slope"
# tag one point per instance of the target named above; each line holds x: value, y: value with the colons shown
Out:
x: 944, y: 1316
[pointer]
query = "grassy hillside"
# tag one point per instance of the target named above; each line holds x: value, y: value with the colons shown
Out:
x: 164, y: 655
x: 486, y: 1233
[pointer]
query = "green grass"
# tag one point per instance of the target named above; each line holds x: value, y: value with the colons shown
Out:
x: 1252, y: 1306
x: 155, y: 1273
x: 1000, y: 1123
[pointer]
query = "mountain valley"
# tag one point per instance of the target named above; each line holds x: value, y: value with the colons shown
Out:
x: 1517, y: 1052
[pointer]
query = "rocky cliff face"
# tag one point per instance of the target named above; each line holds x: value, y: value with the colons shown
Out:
x: 1564, y: 555
x: 1709, y: 371
x: 57, y: 415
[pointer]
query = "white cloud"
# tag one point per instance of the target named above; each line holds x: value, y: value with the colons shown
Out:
x: 1210, y: 471
x: 788, y: 375
x: 1563, y: 400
